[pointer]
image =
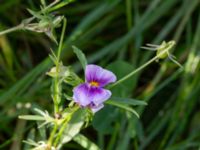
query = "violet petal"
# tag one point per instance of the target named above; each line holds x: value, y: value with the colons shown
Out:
x: 85, y: 94
x: 100, y: 75
x: 96, y: 108
x: 99, y: 95
x: 80, y: 95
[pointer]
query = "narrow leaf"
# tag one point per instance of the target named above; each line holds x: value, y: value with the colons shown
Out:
x: 123, y: 106
x: 80, y: 56
x: 128, y: 101
x: 31, y: 117
x: 85, y: 142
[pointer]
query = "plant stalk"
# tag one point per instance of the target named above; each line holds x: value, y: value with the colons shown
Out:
x: 57, y: 89
x: 139, y: 69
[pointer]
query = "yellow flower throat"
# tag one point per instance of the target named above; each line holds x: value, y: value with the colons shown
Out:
x: 94, y: 83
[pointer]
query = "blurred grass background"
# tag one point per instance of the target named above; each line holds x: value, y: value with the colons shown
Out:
x: 110, y: 33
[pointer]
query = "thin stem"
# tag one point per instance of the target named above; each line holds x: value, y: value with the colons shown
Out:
x: 19, y: 27
x: 57, y: 84
x: 140, y: 68
x: 129, y: 14
x: 57, y: 87
x: 50, y: 140
x: 61, y: 131
x: 63, y: 126
x: 50, y: 5
x: 61, y: 39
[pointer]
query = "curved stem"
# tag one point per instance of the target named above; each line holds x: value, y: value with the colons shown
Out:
x: 21, y: 26
x: 140, y: 68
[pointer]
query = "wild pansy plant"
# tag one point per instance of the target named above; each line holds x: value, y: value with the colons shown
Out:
x: 75, y: 109
x: 88, y: 97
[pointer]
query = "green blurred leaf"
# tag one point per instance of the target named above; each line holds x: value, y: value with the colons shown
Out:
x: 32, y: 117
x: 122, y: 68
x: 7, y: 51
x: 80, y: 56
x: 123, y: 106
x: 85, y: 142
x: 74, y: 126
x: 104, y: 119
x: 61, y: 4
x: 31, y: 136
x: 128, y: 101
x: 35, y: 14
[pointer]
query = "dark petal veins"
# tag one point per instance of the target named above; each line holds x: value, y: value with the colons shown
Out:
x: 80, y: 94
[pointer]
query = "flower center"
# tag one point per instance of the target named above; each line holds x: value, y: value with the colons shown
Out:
x: 94, y: 83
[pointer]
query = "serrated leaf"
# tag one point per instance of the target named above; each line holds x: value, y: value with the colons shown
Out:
x: 81, y: 56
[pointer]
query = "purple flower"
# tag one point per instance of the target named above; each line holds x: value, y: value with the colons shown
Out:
x: 91, y: 93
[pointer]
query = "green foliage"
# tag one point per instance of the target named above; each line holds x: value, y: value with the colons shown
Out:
x: 80, y: 56
x: 122, y: 68
x: 85, y: 143
x: 111, y: 33
x: 74, y: 126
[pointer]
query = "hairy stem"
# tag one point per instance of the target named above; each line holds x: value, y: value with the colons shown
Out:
x: 57, y: 88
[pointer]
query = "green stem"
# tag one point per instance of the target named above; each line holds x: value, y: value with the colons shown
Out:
x: 138, y: 69
x: 63, y: 126
x: 128, y: 14
x: 22, y: 26
x: 19, y: 27
x: 61, y: 39
x: 57, y: 89
x: 61, y: 131
x: 57, y: 84
x: 50, y: 5
x: 50, y: 140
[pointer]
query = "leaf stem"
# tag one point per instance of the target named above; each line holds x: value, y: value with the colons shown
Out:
x: 140, y: 68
